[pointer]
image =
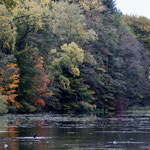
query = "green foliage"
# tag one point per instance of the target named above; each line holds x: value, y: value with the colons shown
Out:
x: 95, y: 5
x: 110, y: 5
x: 9, y: 3
x: 92, y: 60
x: 27, y: 107
x: 65, y: 61
x: 7, y: 31
x: 78, y: 97
x: 67, y: 22
x: 86, y: 107
x: 27, y: 89
x: 28, y: 14
x: 28, y: 17
x: 5, y: 59
x: 16, y: 25
x: 3, y: 106
x: 64, y: 69
x: 140, y: 26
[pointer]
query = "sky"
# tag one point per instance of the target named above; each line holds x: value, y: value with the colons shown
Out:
x: 134, y: 7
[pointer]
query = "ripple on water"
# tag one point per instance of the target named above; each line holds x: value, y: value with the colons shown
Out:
x: 75, y: 132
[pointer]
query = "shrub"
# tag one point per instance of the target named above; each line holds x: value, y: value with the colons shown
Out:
x: 3, y: 106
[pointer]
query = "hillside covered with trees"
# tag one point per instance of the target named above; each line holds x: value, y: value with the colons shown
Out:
x: 72, y: 56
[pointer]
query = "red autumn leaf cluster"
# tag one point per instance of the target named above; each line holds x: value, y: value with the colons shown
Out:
x: 41, y: 81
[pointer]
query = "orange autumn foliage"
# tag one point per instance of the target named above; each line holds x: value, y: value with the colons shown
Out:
x: 9, y: 79
x: 41, y: 81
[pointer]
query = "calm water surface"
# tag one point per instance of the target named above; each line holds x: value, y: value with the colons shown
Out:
x: 75, y: 132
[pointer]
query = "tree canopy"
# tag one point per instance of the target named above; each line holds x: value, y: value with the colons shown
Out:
x: 72, y: 56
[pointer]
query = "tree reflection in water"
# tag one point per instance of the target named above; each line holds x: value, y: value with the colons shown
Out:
x: 41, y: 131
x: 74, y: 132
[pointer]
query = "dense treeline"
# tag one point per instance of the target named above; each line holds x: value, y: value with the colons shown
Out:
x: 72, y: 56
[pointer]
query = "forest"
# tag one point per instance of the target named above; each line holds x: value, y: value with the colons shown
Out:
x: 75, y: 56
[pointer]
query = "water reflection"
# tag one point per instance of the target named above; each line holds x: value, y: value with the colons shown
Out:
x: 11, y: 133
x: 8, y: 137
x: 41, y: 131
x: 71, y: 132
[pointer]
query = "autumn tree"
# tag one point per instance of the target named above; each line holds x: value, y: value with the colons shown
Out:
x: 33, y: 83
x: 9, y: 79
x: 41, y: 82
x: 64, y: 70
x: 140, y: 26
x: 28, y: 17
x: 66, y: 60
x: 101, y: 67
x: 16, y: 25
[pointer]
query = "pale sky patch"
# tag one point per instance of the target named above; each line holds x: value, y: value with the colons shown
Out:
x: 134, y: 7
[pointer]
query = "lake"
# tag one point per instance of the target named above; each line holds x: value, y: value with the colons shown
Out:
x: 75, y: 132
